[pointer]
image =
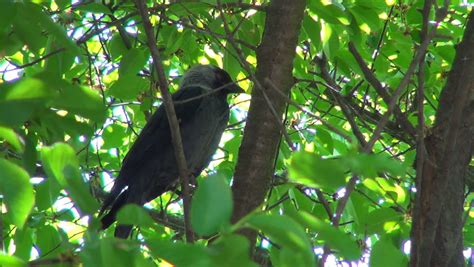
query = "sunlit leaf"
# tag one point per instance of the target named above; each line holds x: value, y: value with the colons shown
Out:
x: 380, y: 220
x: 20, y: 99
x: 61, y: 163
x: 17, y: 192
x: 11, y: 261
x: 311, y: 170
x: 231, y: 250
x: 284, y: 232
x: 211, y: 206
x: 134, y: 215
x: 128, y: 86
x: 12, y: 138
x: 386, y: 254
x: 333, y: 237
x: 97, y: 8
x: 133, y: 61
x: 179, y: 254
x: 47, y: 241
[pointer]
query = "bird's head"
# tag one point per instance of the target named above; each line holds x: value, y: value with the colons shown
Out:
x: 211, y: 77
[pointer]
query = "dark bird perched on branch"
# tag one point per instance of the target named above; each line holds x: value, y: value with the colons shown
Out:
x: 150, y: 169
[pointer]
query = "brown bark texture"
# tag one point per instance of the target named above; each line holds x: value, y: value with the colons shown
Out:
x: 262, y: 133
x: 438, y: 212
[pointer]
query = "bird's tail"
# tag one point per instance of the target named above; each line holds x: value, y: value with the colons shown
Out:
x: 123, y: 230
x: 125, y: 197
x: 110, y: 217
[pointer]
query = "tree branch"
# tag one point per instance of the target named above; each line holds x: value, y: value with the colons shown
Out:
x: 370, y: 77
x: 262, y: 132
x: 171, y: 115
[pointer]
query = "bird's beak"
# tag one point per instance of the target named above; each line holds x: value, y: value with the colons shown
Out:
x: 235, y: 89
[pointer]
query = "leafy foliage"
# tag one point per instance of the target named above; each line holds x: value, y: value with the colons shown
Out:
x: 77, y: 86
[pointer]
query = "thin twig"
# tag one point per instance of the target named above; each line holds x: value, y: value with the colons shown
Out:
x: 416, y: 61
x: 309, y: 113
x: 377, y: 85
x: 171, y: 114
x: 37, y: 60
x: 246, y: 66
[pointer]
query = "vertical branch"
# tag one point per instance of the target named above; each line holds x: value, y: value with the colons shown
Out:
x: 416, y: 61
x: 262, y: 132
x: 420, y: 137
x: 437, y: 221
x: 171, y: 114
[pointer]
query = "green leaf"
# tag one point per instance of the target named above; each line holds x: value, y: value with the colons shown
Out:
x: 385, y: 254
x: 96, y: 8
x: 447, y: 52
x: 186, y: 8
x: 30, y: 155
x: 11, y: 261
x: 313, y: 30
x: 230, y: 62
x: 23, y: 243
x: 7, y: 14
x: 66, y: 215
x: 179, y: 253
x: 175, y: 41
x: 286, y: 257
x: 59, y: 63
x: 133, y: 61
x: 309, y: 169
x: 211, y: 206
x: 231, y: 250
x: 22, y: 26
x: 371, y: 165
x: 381, y: 220
x: 47, y: 241
x: 135, y: 215
x: 50, y: 27
x: 17, y: 192
x: 285, y: 232
x: 115, y: 252
x: 60, y: 162
x: 47, y: 193
x: 249, y: 31
x: 27, y: 89
x: 330, y: 40
x: 329, y: 12
x: 367, y: 19
x: 80, y: 100
x: 20, y: 99
x: 326, y: 139
x: 128, y: 86
x: 468, y: 236
x: 12, y: 138
x: 331, y: 236
x: 116, y: 46
x: 113, y: 136
x: 10, y: 44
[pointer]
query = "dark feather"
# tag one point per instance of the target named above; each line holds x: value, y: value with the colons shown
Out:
x: 149, y: 169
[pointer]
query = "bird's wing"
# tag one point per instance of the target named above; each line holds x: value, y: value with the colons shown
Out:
x: 154, y: 140
x: 156, y: 133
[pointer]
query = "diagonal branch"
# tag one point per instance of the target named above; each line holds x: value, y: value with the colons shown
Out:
x: 370, y: 77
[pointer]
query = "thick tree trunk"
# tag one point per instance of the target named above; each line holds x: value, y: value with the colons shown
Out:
x: 438, y: 213
x: 262, y: 132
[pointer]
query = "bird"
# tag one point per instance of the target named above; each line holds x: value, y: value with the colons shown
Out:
x: 149, y: 169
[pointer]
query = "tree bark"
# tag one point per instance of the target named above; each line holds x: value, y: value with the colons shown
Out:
x: 262, y: 133
x: 438, y: 213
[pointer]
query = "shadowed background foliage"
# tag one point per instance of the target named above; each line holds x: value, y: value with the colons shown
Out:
x: 341, y: 97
